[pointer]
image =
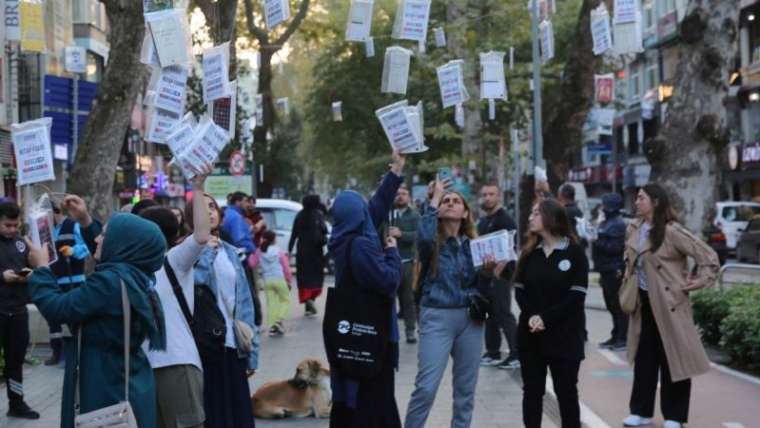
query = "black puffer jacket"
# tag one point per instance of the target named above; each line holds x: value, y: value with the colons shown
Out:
x: 607, y: 250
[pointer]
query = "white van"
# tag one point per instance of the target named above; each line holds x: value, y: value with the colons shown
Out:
x: 732, y: 217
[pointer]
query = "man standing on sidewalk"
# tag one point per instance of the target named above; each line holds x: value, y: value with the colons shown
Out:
x: 14, y: 318
x: 403, y: 227
x: 607, y: 252
x: 69, y: 270
x: 501, y: 319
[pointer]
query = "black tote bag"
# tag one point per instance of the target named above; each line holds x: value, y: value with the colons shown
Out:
x: 356, y: 327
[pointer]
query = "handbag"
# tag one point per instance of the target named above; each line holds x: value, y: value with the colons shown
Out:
x: 243, y: 332
x: 356, y: 327
x: 206, y: 322
x: 629, y: 291
x: 119, y: 415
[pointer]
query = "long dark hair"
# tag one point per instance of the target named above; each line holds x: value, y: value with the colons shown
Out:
x: 555, y: 220
x: 267, y: 239
x: 663, y: 213
x: 466, y: 228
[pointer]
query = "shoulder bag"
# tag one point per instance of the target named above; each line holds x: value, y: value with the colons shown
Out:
x: 119, y: 415
x: 207, y: 323
x: 629, y: 291
x: 356, y: 326
x: 243, y: 332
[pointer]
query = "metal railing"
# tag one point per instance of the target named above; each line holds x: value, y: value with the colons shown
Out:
x: 739, y: 266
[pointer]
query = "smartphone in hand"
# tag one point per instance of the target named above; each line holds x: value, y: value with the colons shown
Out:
x: 23, y: 272
x: 444, y: 173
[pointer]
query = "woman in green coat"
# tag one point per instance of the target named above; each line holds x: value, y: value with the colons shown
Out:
x: 129, y: 249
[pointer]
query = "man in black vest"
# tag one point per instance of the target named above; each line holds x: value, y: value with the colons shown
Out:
x: 69, y: 269
x: 14, y: 317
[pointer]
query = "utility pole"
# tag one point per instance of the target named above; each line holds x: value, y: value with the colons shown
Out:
x: 538, y: 139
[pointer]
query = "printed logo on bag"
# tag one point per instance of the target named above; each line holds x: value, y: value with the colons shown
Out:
x: 564, y: 265
x: 20, y: 246
x: 344, y: 327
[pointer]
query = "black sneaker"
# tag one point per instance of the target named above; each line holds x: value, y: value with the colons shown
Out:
x: 509, y: 363
x: 22, y: 410
x: 607, y: 344
x: 619, y: 345
x: 489, y: 360
x: 411, y: 338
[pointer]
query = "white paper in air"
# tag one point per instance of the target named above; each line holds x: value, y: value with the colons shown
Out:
x: 451, y: 83
x: 403, y: 125
x: 411, y: 20
x: 627, y: 37
x: 500, y: 245
x: 32, y: 148
x: 171, y: 39
x: 601, y: 33
x: 396, y: 70
x: 171, y: 88
x: 625, y: 11
x: 493, y: 83
x: 359, y: 20
x: 440, y: 37
x: 337, y: 112
x: 546, y: 30
x: 275, y: 12
x: 369, y: 47
x: 215, y: 73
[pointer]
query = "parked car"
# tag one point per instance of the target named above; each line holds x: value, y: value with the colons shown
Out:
x: 717, y: 241
x: 748, y: 247
x: 731, y: 218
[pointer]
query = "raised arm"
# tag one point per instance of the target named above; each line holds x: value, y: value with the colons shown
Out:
x: 382, y: 201
x: 379, y: 270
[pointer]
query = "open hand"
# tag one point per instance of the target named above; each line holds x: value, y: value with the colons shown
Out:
x: 77, y: 209
x: 10, y: 277
x: 38, y: 257
x: 199, y: 179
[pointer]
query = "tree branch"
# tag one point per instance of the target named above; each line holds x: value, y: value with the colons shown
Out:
x: 257, y: 32
x: 294, y: 24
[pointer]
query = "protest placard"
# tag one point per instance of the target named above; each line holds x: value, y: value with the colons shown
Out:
x: 171, y: 87
x: 170, y: 36
x: 396, y: 70
x: 493, y: 84
x: 546, y: 30
x: 359, y: 20
x: 401, y: 127
x: 41, y: 227
x: 625, y: 11
x: 604, y: 88
x: 215, y: 73
x: 208, y: 142
x: 440, y: 37
x: 31, y: 146
x: 451, y: 83
x: 500, y: 245
x: 411, y: 20
x: 275, y: 12
x: 160, y: 122
x: 601, y: 33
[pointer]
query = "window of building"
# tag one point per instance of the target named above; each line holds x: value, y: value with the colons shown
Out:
x: 81, y: 9
x: 634, y: 87
x: 649, y: 16
x: 650, y: 78
x: 633, y: 138
x: 94, y: 67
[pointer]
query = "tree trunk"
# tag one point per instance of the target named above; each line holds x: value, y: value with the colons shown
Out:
x: 221, y: 21
x: 684, y: 155
x: 94, y: 168
x: 562, y: 129
x: 264, y: 189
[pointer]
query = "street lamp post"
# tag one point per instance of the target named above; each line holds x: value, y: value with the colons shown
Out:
x: 538, y: 140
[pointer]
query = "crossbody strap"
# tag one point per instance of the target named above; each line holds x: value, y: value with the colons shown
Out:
x: 127, y: 319
x: 178, y: 294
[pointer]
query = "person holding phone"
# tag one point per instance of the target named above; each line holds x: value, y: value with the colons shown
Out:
x: 14, y: 318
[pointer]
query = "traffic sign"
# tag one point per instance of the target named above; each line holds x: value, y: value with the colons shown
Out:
x: 237, y: 163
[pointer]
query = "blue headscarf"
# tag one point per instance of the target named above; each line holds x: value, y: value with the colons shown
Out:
x: 350, y: 217
x: 134, y: 249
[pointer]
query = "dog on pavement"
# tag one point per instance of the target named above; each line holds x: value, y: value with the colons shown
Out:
x: 306, y: 394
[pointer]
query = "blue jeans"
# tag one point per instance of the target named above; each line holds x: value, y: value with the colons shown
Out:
x: 445, y: 332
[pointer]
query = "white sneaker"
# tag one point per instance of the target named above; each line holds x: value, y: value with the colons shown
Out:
x: 672, y: 424
x: 637, y: 421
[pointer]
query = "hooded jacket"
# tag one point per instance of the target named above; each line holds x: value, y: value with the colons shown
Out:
x: 607, y: 251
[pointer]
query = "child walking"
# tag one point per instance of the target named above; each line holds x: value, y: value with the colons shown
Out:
x: 275, y: 269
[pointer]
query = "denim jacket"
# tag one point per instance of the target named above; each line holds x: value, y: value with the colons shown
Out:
x: 456, y: 278
x: 244, y: 311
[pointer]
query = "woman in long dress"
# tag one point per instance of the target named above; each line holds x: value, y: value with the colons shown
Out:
x: 309, y: 236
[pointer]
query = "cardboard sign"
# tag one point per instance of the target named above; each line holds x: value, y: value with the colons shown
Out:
x: 396, y: 70
x: 451, y: 83
x: 601, y: 33
x: 75, y: 59
x: 411, y: 20
x: 493, y: 84
x: 216, y: 73
x: 500, y: 245
x: 171, y: 88
x: 34, y: 156
x: 359, y: 20
x: 275, y: 12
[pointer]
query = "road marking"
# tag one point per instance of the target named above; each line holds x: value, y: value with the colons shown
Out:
x: 588, y: 417
x: 732, y: 425
x: 612, y: 357
x: 735, y: 373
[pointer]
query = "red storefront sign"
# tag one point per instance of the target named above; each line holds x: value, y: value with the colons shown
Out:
x: 604, y: 85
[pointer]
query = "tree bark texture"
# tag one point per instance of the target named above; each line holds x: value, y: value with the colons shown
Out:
x: 221, y: 21
x: 564, y: 122
x: 94, y: 168
x: 684, y: 155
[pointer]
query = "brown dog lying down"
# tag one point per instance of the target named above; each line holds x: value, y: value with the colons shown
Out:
x: 307, y: 394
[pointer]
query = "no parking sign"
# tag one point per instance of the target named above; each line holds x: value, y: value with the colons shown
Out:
x: 237, y: 163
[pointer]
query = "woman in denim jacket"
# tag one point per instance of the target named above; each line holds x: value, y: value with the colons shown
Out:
x: 226, y: 395
x: 447, y: 325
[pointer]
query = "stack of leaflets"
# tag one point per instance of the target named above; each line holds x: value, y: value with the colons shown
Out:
x: 500, y: 245
x: 404, y: 126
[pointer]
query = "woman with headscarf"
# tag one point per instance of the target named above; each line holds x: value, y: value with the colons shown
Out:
x: 368, y: 403
x: 129, y: 251
x: 310, y: 234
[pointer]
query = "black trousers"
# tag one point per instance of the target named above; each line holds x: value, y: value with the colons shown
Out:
x: 501, y: 320
x: 534, y: 368
x: 14, y: 339
x: 649, y: 363
x: 226, y: 395
x: 611, y: 282
x: 406, y: 298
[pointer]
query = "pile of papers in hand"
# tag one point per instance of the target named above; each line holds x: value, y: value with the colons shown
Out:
x: 404, y: 126
x: 500, y: 245
x: 194, y: 146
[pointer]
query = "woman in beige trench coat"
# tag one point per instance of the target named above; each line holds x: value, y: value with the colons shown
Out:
x: 662, y: 337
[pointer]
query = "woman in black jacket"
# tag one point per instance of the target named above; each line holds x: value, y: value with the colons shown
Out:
x: 310, y: 234
x: 550, y: 288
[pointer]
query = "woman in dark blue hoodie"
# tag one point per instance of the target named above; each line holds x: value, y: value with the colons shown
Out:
x: 368, y: 403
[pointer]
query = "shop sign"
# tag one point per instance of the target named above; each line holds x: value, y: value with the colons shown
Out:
x: 751, y: 155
